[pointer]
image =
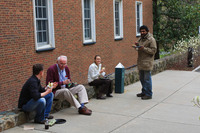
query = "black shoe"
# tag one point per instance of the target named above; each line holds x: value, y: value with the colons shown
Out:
x: 101, y: 97
x: 50, y: 117
x: 146, y: 97
x: 109, y: 95
x: 40, y: 122
x: 140, y: 95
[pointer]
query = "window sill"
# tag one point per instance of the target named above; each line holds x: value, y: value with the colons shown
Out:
x: 43, y: 50
x: 89, y: 43
x: 137, y: 36
x: 118, y: 39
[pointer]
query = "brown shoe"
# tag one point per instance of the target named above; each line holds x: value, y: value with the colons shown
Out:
x: 84, y: 111
x: 88, y: 109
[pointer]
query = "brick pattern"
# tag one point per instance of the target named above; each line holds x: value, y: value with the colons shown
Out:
x: 17, y: 41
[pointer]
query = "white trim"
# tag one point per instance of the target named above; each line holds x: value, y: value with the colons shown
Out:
x: 51, y: 37
x: 93, y: 27
x: 120, y: 18
x: 140, y: 15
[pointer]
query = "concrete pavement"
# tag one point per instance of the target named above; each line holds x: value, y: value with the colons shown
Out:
x: 170, y: 110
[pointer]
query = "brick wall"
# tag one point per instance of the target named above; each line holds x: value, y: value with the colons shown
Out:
x: 17, y: 43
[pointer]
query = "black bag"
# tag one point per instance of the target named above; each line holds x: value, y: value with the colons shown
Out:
x: 72, y: 85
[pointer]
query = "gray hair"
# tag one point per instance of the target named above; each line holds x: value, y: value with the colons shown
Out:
x: 62, y: 56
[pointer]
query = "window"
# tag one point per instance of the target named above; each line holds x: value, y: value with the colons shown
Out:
x: 118, y: 19
x: 44, y: 28
x: 138, y: 17
x: 88, y: 13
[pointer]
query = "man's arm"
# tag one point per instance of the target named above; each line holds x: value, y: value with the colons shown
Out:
x: 152, y: 47
x: 51, y: 77
x: 35, y: 90
x: 46, y: 92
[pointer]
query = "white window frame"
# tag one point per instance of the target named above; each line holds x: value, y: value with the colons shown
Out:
x: 120, y: 36
x: 51, y: 41
x: 93, y: 29
x: 140, y: 16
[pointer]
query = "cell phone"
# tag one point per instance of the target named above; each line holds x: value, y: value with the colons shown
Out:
x: 137, y: 46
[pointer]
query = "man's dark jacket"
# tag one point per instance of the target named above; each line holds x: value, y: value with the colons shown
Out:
x: 32, y: 89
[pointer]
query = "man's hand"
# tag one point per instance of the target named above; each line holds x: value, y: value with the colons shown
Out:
x: 49, y: 90
x: 136, y: 43
x: 141, y: 48
x: 67, y: 81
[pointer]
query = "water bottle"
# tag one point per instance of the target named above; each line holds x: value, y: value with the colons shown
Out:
x: 46, y: 124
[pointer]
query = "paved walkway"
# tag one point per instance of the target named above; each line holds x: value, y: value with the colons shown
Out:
x: 170, y: 110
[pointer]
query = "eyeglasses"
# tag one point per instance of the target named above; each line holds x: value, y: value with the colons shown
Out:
x: 62, y: 64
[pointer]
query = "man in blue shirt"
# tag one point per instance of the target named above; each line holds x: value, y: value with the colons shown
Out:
x: 34, y: 97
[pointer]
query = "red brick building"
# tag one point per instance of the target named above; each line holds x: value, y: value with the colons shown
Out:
x: 38, y: 31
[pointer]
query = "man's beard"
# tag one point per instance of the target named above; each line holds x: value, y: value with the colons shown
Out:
x: 143, y: 35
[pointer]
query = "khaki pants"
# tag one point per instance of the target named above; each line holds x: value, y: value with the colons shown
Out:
x: 68, y: 94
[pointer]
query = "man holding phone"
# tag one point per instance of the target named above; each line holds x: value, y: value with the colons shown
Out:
x: 146, y: 47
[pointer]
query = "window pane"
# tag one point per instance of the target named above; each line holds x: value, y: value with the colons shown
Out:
x: 44, y: 37
x: 44, y: 25
x: 43, y: 2
x: 87, y: 19
x: 39, y: 25
x: 39, y: 2
x: 36, y: 12
x: 39, y: 37
x: 86, y: 34
x: 116, y: 14
x: 87, y: 13
x: 36, y: 2
x: 40, y: 12
x: 44, y: 13
x: 86, y: 3
x: 138, y: 17
x: 116, y: 6
x: 117, y: 19
x: 117, y: 31
x: 117, y: 23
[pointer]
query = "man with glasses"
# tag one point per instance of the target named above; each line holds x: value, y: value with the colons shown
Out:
x: 60, y: 73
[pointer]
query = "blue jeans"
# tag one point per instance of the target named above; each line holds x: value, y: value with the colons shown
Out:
x: 42, y: 107
x: 145, y: 79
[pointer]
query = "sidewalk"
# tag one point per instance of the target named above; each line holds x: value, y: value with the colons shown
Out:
x: 170, y: 110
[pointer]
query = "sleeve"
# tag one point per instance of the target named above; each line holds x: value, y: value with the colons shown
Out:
x: 51, y: 77
x: 34, y: 90
x: 152, y: 47
x: 93, y: 72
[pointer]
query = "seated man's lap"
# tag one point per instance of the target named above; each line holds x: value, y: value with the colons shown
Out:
x: 31, y: 105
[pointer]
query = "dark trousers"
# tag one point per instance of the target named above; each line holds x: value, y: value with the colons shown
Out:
x: 104, y: 85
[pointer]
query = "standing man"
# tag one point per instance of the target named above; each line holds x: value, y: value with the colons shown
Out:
x: 60, y: 73
x: 35, y: 98
x: 146, y: 47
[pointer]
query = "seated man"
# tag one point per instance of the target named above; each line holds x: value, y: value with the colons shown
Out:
x: 35, y: 98
x: 60, y: 73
